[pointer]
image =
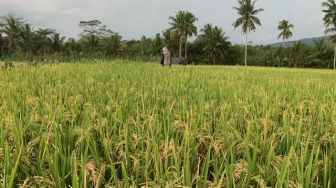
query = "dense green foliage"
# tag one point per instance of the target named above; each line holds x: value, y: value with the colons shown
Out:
x: 320, y: 55
x: 122, y: 124
x: 19, y: 41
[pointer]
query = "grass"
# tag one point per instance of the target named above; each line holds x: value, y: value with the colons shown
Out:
x: 124, y: 124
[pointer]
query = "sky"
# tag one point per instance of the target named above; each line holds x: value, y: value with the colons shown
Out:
x: 136, y: 18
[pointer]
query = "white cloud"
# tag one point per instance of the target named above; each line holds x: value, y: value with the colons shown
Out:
x: 71, y: 11
x: 134, y: 18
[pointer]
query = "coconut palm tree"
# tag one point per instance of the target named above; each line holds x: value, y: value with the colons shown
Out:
x: 12, y: 27
x: 321, y: 53
x: 177, y: 26
x: 57, y: 41
x: 247, y: 19
x: 330, y: 22
x: 29, y: 39
x: 286, y: 33
x: 183, y: 25
x: 43, y: 40
x: 189, y: 29
x: 214, y: 42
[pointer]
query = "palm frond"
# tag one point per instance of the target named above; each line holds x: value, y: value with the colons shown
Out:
x: 247, y: 19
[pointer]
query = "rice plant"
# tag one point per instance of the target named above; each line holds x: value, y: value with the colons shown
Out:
x: 128, y: 124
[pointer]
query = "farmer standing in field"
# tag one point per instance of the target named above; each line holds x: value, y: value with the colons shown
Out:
x: 165, y: 57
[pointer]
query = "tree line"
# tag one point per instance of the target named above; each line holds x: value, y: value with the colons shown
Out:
x: 19, y: 40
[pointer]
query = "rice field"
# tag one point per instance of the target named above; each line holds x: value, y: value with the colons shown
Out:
x: 128, y: 124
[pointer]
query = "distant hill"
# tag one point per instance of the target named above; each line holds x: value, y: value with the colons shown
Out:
x: 307, y: 41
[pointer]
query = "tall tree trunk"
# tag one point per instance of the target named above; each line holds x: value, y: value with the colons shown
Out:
x: 283, y: 42
x: 11, y: 43
x: 335, y: 58
x: 185, y: 48
x: 213, y: 59
x: 246, y: 50
x: 180, y: 52
x: 44, y: 51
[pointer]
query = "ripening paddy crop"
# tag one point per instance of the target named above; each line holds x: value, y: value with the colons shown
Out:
x: 129, y: 124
